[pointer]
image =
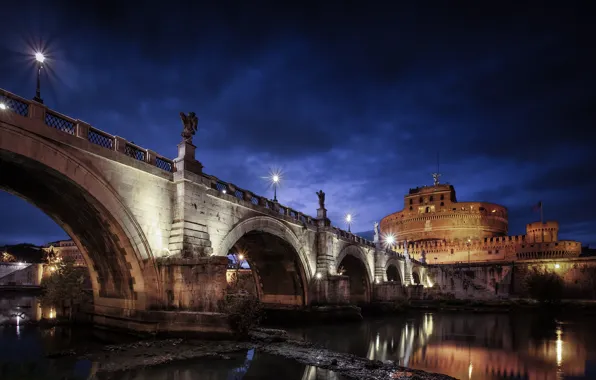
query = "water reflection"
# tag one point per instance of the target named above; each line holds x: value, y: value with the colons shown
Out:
x: 471, y: 346
x: 18, y: 308
x: 465, y: 346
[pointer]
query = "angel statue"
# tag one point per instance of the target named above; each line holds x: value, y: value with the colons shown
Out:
x: 321, y: 195
x: 190, y: 123
x: 376, y: 230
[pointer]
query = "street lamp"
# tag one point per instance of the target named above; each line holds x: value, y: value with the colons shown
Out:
x: 40, y: 58
x: 349, y: 219
x: 274, y: 179
x: 3, y: 106
x: 389, y: 240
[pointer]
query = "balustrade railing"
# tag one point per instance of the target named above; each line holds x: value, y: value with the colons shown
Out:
x: 53, y: 119
x: 20, y: 106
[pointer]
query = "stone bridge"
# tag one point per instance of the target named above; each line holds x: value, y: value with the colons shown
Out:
x: 156, y: 232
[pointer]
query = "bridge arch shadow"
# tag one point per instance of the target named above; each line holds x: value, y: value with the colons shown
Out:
x: 277, y: 258
x: 70, y: 192
x: 352, y: 262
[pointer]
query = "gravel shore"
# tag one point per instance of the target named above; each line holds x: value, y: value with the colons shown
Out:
x: 123, y: 357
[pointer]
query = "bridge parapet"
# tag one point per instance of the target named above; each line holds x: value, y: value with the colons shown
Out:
x: 53, y: 119
x: 230, y: 190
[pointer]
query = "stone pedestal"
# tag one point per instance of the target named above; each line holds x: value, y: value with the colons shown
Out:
x: 322, y: 217
x: 330, y: 290
x: 189, y: 237
x: 186, y: 158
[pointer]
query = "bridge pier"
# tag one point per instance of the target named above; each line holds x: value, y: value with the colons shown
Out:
x: 330, y: 290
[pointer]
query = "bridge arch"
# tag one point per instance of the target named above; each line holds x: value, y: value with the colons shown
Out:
x: 71, y: 192
x: 279, y: 260
x: 394, y: 264
x: 353, y: 260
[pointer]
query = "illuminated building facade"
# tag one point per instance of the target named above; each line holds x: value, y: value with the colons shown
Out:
x: 66, y: 249
x: 439, y: 229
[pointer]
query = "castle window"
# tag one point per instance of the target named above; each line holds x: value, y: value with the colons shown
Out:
x: 442, y: 203
x: 442, y: 197
x: 410, y: 208
x: 410, y: 200
x: 420, y: 199
x: 431, y: 198
x: 452, y: 251
x: 428, y: 209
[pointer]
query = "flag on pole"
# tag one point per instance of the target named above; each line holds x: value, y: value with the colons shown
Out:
x: 538, y: 206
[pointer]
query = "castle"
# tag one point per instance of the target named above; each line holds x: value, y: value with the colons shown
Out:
x: 437, y: 229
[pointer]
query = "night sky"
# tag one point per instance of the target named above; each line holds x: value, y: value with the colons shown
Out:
x: 352, y: 99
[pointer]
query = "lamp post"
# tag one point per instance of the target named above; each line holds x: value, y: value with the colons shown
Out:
x: 40, y: 58
x: 275, y: 180
x: 349, y: 221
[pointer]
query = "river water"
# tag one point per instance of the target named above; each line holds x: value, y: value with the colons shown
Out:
x: 464, y: 345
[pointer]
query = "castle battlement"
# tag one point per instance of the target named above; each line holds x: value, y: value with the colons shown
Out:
x: 439, y: 227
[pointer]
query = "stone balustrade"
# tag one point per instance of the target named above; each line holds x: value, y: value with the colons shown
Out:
x: 28, y: 108
x: 78, y: 128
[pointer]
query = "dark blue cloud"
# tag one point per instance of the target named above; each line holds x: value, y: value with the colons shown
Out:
x: 351, y: 99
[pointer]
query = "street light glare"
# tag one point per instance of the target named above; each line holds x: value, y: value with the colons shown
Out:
x: 349, y: 218
x: 3, y: 106
x: 39, y: 57
x: 275, y: 178
x: 241, y: 257
x: 389, y: 239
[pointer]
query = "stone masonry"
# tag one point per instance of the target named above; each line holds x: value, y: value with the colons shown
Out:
x: 155, y: 232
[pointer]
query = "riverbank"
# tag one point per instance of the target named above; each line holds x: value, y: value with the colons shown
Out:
x: 140, y: 354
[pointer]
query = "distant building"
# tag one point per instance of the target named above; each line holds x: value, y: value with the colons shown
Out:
x: 66, y: 249
x: 438, y: 229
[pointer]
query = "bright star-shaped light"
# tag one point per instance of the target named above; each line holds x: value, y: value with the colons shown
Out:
x: 349, y: 218
x: 3, y: 106
x: 39, y: 57
x: 388, y: 240
x: 275, y: 176
x: 241, y: 257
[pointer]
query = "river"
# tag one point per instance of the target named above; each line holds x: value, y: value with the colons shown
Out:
x: 470, y: 346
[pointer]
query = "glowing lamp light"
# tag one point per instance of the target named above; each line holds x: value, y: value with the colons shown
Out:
x: 318, y: 276
x: 39, y: 57
x: 275, y: 179
x: 349, y: 218
x: 389, y: 239
x: 241, y: 257
x: 3, y: 106
x: 557, y: 266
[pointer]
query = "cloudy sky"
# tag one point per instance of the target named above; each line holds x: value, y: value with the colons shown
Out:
x: 355, y: 100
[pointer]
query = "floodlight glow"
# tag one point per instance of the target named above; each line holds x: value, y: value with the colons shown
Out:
x: 349, y: 218
x: 241, y: 257
x: 3, y: 106
x: 39, y: 57
x: 318, y: 276
x: 275, y: 178
x: 557, y: 266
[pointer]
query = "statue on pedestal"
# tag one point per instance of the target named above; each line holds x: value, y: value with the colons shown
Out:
x: 376, y: 230
x: 190, y: 123
x: 321, y: 195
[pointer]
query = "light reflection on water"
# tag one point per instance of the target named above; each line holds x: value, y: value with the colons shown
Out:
x: 471, y: 345
x: 463, y: 345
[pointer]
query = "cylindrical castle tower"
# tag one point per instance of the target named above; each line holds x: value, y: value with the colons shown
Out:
x: 433, y: 213
x: 542, y: 232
